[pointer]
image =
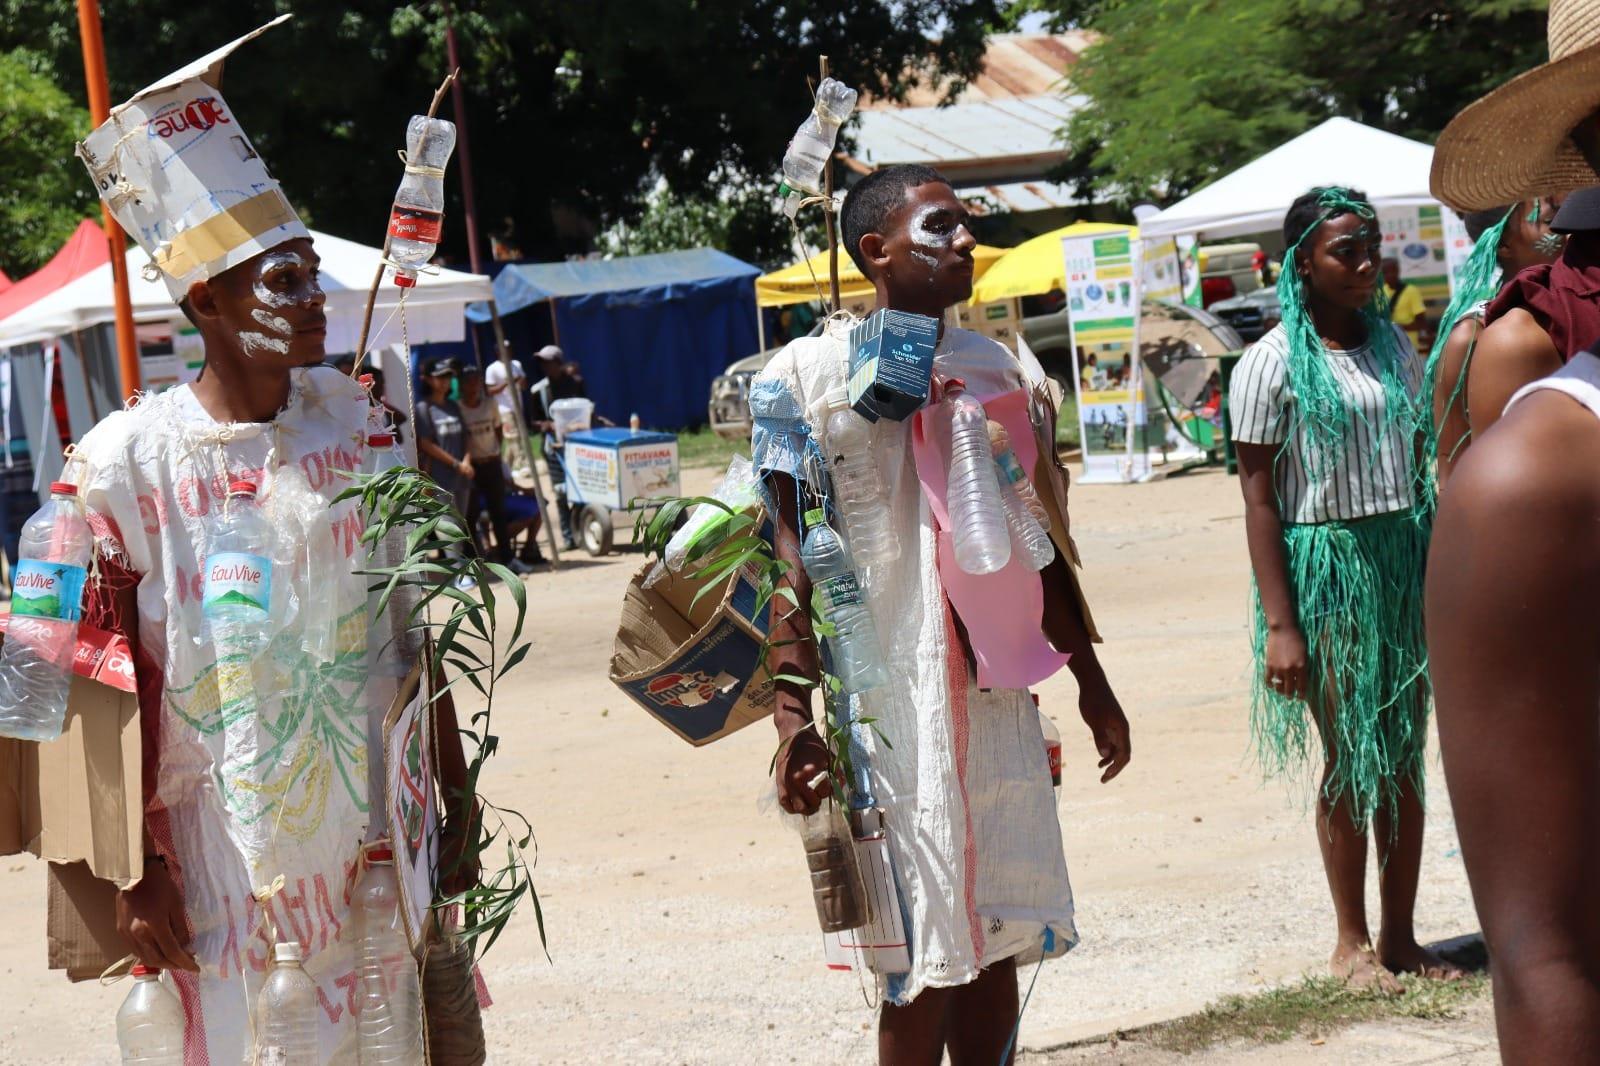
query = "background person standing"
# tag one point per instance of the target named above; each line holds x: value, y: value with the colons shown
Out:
x: 509, y: 395
x: 488, y: 490
x: 442, y: 442
x: 562, y: 381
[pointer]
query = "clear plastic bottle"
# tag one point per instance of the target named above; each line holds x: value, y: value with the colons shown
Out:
x: 416, y: 222
x: 1052, y: 745
x: 813, y: 143
x: 856, y: 656
x: 395, y: 642
x: 286, y: 1012
x: 977, y: 512
x: 388, y: 990
x: 1035, y: 542
x: 1011, y: 471
x: 858, y: 488
x: 46, y: 603
x: 238, y: 589
x: 831, y: 858
x: 150, y: 1022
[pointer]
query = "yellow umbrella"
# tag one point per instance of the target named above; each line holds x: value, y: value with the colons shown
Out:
x: 794, y: 284
x: 1035, y: 265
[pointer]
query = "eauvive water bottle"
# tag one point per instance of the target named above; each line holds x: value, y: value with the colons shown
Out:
x: 972, y: 498
x: 858, y: 490
x: 1005, y: 459
x: 150, y: 1022
x: 46, y: 603
x: 857, y: 658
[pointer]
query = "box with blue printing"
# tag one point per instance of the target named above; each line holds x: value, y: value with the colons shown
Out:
x: 891, y: 363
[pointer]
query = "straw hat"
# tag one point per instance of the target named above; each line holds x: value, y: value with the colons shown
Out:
x: 1514, y: 143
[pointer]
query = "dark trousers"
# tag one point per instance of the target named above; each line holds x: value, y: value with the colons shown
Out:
x: 556, y: 460
x: 489, y: 494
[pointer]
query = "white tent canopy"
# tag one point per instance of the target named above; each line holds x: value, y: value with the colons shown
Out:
x: 1391, y: 170
x: 433, y: 310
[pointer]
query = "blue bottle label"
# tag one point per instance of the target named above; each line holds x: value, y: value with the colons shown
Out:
x: 237, y: 579
x: 43, y: 589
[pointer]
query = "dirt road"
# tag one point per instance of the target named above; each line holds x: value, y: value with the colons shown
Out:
x: 680, y: 922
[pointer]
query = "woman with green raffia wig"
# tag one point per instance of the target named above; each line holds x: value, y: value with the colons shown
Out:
x: 1328, y: 424
x: 1506, y: 240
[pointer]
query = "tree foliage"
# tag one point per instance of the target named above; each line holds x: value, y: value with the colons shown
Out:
x: 575, y: 110
x: 1183, y: 91
x: 41, y: 197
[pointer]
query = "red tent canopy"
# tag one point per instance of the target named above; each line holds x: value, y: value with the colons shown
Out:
x: 86, y: 249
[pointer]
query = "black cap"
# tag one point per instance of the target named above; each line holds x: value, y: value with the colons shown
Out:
x: 471, y: 369
x: 448, y: 366
x: 1579, y: 212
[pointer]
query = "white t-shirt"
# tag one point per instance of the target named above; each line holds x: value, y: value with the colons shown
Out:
x: 494, y: 375
x: 1373, y: 473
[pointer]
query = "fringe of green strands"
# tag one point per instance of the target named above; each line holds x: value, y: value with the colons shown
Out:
x: 1479, y: 281
x: 1358, y: 595
x: 1320, y: 404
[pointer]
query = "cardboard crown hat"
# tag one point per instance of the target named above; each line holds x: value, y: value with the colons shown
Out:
x: 181, y: 177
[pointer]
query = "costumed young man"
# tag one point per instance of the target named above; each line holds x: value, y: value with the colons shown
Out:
x: 963, y: 776
x: 259, y: 769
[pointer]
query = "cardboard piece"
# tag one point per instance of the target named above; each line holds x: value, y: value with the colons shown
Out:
x: 181, y: 177
x: 891, y: 363
x: 693, y: 666
x: 81, y: 922
x: 999, y: 320
x: 880, y: 944
x: 411, y: 806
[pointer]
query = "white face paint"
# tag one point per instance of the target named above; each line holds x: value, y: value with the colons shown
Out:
x: 275, y: 261
x: 255, y: 343
x: 276, y: 323
x: 931, y: 262
x: 924, y: 237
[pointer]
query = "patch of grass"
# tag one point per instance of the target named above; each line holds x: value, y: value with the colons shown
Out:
x: 1067, y: 430
x: 701, y: 447
x: 1314, y: 1006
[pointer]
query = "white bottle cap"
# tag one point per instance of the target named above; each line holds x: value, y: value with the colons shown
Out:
x: 288, y: 952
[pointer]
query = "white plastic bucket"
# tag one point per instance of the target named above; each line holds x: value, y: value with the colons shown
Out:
x: 571, y: 415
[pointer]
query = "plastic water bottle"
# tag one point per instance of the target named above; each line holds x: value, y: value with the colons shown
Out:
x: 286, y: 1012
x: 417, y: 221
x: 389, y: 992
x: 856, y: 655
x: 977, y: 513
x: 831, y: 858
x: 1052, y: 745
x: 396, y: 646
x: 813, y: 142
x: 858, y: 488
x: 46, y: 603
x: 238, y: 590
x: 1005, y: 458
x: 150, y: 1022
x: 1025, y: 531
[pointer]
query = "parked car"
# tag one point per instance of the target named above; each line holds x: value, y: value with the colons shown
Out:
x: 1166, y: 328
x: 1252, y: 314
x: 1229, y: 270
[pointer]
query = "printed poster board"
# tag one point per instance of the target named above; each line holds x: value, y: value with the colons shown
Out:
x: 412, y: 806
x: 1415, y: 236
x: 1104, y: 282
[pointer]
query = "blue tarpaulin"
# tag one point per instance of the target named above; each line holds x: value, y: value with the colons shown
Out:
x: 649, y: 331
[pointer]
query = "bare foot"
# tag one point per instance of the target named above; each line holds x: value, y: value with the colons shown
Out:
x: 1358, y: 967
x: 1412, y: 957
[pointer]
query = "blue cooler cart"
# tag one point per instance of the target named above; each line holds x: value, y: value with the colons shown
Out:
x: 612, y: 472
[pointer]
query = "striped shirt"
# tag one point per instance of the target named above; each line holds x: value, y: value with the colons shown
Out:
x: 1372, y: 476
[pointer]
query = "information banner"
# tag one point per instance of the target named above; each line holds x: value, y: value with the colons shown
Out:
x: 1457, y: 247
x: 1414, y: 236
x: 1189, y: 253
x: 1104, y: 283
x: 1163, y: 275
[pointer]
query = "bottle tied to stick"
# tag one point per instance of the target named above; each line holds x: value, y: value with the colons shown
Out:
x: 416, y: 222
x: 813, y: 142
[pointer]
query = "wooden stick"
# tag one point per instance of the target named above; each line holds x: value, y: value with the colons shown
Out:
x: 827, y: 215
x: 377, y: 278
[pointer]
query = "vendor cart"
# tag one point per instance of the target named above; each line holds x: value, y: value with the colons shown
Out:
x: 612, y: 473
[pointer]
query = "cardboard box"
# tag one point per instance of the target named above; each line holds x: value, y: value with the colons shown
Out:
x: 693, y: 666
x: 891, y: 363
x: 77, y: 802
x: 999, y: 320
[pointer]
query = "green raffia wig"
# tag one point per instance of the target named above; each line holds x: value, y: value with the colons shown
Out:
x: 1479, y: 281
x: 1357, y: 584
x: 1323, y: 410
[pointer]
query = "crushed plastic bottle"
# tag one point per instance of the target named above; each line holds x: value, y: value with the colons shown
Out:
x: 286, y: 1012
x: 831, y: 858
x: 416, y: 222
x: 858, y: 489
x: 972, y: 498
x: 150, y: 1022
x: 396, y: 639
x: 1005, y: 458
x: 46, y: 603
x: 813, y: 142
x: 389, y: 991
x: 856, y: 655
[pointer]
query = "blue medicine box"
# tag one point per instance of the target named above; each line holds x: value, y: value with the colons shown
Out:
x: 891, y: 363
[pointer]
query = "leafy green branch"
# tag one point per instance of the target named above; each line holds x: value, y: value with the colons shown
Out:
x: 419, y: 548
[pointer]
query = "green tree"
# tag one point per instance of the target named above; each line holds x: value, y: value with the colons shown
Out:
x: 575, y: 109
x: 1183, y: 91
x: 43, y: 199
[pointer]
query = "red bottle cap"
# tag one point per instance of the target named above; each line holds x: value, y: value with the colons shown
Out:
x: 65, y: 488
x: 381, y: 440
x: 141, y: 970
x: 241, y: 488
x: 380, y: 854
x: 405, y: 281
